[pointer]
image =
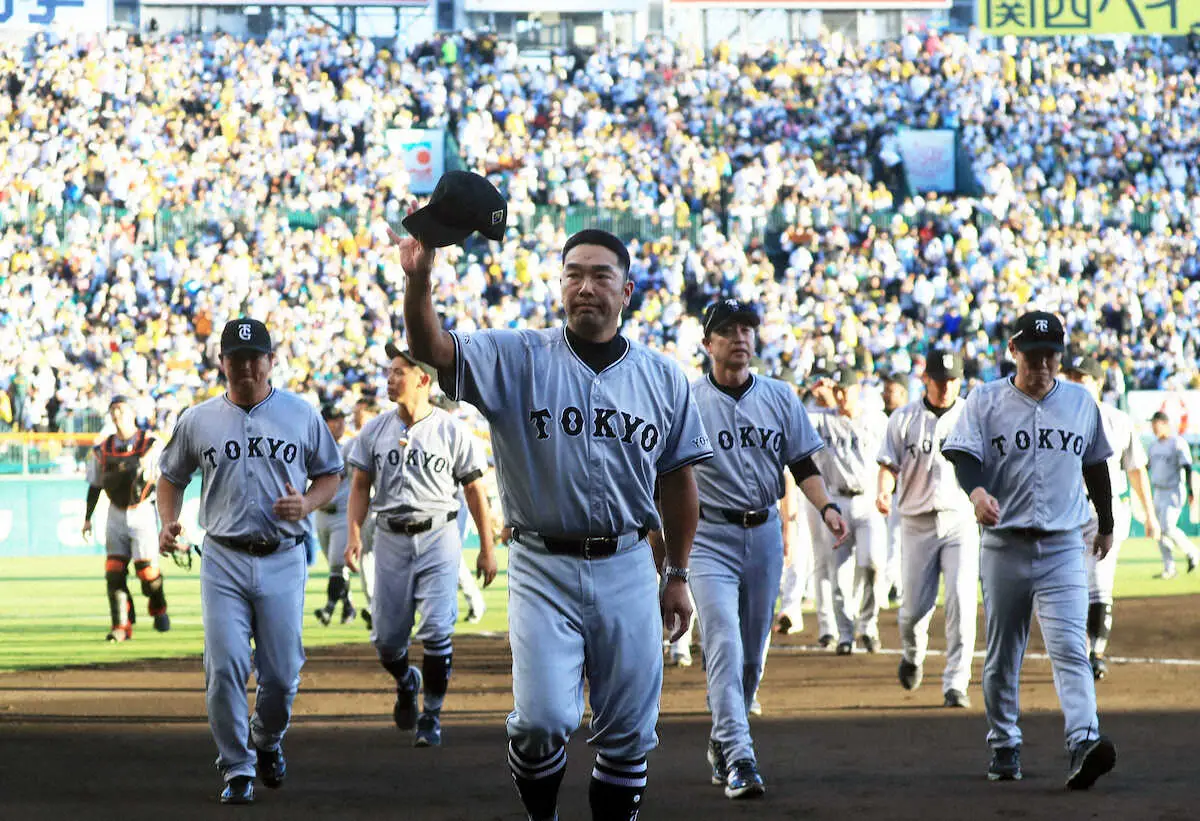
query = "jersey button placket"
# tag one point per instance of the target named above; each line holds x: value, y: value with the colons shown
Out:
x: 595, y: 457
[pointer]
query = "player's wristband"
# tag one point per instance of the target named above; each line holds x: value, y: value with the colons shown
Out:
x: 833, y: 505
x: 670, y: 572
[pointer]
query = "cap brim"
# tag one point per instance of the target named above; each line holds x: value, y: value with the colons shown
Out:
x: 246, y: 348
x: 431, y: 231
x: 745, y: 317
x: 392, y: 352
x: 1040, y: 345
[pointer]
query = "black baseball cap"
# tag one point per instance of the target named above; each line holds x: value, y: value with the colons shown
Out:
x: 245, y: 335
x: 822, y: 367
x: 943, y: 365
x: 846, y: 378
x: 393, y: 351
x: 721, y: 313
x: 118, y: 400
x: 1078, y: 362
x: 1039, y: 330
x: 329, y: 412
x: 461, y: 204
x: 1160, y: 416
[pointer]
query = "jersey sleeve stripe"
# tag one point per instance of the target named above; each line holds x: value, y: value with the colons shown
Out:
x: 812, y: 452
x: 454, y: 391
x: 469, y: 477
x: 695, y: 460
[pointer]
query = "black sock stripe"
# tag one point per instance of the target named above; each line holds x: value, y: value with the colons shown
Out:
x: 532, y: 769
x: 619, y: 767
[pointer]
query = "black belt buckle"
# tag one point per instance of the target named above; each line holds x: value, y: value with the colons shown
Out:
x: 405, y: 527
x: 754, y: 518
x: 261, y: 548
x: 597, y: 547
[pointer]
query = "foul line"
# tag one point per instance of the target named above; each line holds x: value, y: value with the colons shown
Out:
x: 858, y: 651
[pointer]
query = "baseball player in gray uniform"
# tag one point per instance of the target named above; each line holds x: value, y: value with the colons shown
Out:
x: 583, y: 423
x: 1128, y: 460
x: 125, y: 467
x: 856, y: 568
x: 1024, y: 447
x: 938, y: 528
x: 1170, y: 472
x: 415, y: 460
x: 895, y: 396
x: 467, y: 576
x: 759, y: 429
x: 254, y: 446
x: 365, y: 409
x: 330, y: 524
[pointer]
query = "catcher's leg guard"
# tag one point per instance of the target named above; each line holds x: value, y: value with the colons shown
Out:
x: 335, y: 591
x: 119, y: 601
x: 152, y: 587
x: 1099, y: 625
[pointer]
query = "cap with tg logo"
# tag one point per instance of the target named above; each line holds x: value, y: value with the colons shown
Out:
x: 1039, y: 330
x: 245, y: 335
x: 944, y: 365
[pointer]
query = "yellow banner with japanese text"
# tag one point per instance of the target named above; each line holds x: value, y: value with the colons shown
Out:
x: 1044, y: 18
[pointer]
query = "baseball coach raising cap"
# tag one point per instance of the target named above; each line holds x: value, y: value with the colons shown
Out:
x: 461, y: 204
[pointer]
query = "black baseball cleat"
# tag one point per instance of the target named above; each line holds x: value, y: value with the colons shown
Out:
x: 1193, y: 563
x: 744, y: 780
x: 349, y: 614
x: 365, y: 615
x: 324, y: 616
x: 162, y: 622
x: 956, y: 699
x: 1089, y: 761
x: 910, y: 675
x: 429, y: 730
x: 825, y: 642
x: 405, y: 711
x: 1099, y: 666
x: 783, y: 624
x: 272, y: 767
x: 1006, y: 764
x: 716, y: 760
x: 845, y: 648
x: 871, y: 643
x: 238, y: 790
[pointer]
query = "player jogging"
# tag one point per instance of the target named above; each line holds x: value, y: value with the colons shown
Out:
x: 937, y: 527
x: 1170, y: 461
x: 330, y: 522
x: 254, y: 446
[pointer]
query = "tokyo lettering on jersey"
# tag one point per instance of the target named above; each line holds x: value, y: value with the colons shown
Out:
x: 1168, y: 458
x: 577, y: 452
x: 246, y: 458
x: 754, y: 439
x: 851, y: 445
x: 913, y: 448
x: 417, y: 470
x: 1033, y: 452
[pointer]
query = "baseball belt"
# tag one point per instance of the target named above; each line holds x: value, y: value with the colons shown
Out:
x: 581, y: 547
x: 411, y: 527
x: 744, y: 518
x: 257, y: 547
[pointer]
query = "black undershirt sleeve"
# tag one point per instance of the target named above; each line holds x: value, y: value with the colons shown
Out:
x: 803, y: 469
x: 967, y: 469
x: 92, y: 498
x: 1099, y: 488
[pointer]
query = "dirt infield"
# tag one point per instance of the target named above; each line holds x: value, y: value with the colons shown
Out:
x: 839, y: 740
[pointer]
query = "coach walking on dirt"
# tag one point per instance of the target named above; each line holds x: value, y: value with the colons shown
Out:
x: 1023, y: 449
x: 254, y: 446
x: 583, y: 422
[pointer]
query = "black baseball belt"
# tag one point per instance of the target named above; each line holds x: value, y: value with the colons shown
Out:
x: 581, y: 547
x: 847, y: 492
x: 744, y: 518
x: 257, y: 547
x: 411, y: 527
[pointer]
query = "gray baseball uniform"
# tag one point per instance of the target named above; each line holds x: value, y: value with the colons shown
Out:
x: 577, y: 455
x: 252, y: 576
x: 1128, y: 454
x: 737, y: 557
x: 416, y: 472
x: 855, y: 573
x: 1033, y: 454
x: 332, y: 528
x: 1168, y: 459
x: 940, y: 537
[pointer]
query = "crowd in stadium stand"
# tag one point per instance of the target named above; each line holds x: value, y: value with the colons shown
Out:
x: 770, y: 174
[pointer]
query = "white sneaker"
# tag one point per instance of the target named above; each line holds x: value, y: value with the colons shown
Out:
x: 681, y: 658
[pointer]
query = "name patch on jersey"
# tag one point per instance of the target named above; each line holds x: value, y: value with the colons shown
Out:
x: 749, y: 436
x: 1047, y: 439
x: 255, y: 447
x: 606, y: 423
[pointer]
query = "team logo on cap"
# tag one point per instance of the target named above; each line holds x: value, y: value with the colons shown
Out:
x: 497, y: 216
x: 1041, y: 326
x: 1078, y: 361
x: 244, y: 332
x: 947, y: 361
x: 731, y: 303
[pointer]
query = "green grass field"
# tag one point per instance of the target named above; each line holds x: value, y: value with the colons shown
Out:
x: 53, y: 611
